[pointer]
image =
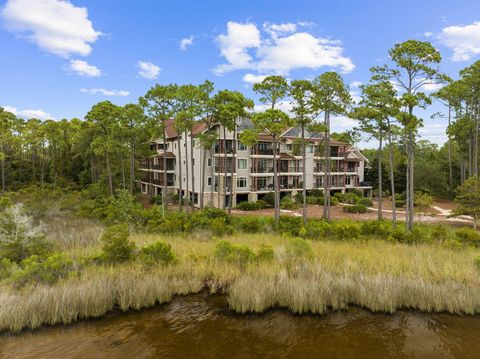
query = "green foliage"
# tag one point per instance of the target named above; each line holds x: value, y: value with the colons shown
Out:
x: 157, y: 253
x: 298, y: 248
x: 423, y: 201
x: 19, y: 237
x: 477, y: 262
x: 265, y: 254
x: 262, y: 204
x: 348, y: 198
x: 7, y: 267
x: 468, y: 198
x: 250, y: 224
x: 250, y: 206
x: 356, y: 208
x: 269, y: 198
x: 380, y: 229
x: 116, y: 246
x: 156, y: 200
x: 233, y: 253
x: 290, y: 225
x: 288, y: 203
x: 468, y: 236
x: 364, y: 201
x: 49, y: 270
x: 5, y: 202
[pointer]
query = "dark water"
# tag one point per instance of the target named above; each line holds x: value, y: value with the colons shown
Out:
x: 201, y: 326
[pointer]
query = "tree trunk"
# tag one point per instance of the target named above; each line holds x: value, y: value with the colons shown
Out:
x: 475, y: 142
x: 224, y: 167
x: 92, y: 170
x: 450, y: 171
x: 132, y: 168
x: 326, y: 184
x: 3, y: 175
x: 275, y: 183
x: 380, y: 184
x: 392, y: 179
x: 180, y: 180
x: 410, y: 181
x: 124, y: 181
x: 233, y: 164
x: 212, y: 175
x: 202, y: 189
x: 187, y: 193
x: 192, y: 165
x: 165, y: 176
x: 304, y: 184
x: 109, y: 173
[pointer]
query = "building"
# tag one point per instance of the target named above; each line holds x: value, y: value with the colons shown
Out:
x: 252, y: 166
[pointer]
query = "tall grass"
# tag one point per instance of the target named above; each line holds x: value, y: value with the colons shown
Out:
x: 378, y: 275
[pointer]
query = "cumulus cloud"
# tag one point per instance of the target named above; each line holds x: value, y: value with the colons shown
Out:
x: 253, y: 79
x: 285, y: 106
x: 148, y: 70
x: 280, y: 49
x: 186, y: 42
x: 464, y: 40
x: 83, y: 68
x: 28, y: 114
x: 105, y: 92
x: 56, y: 26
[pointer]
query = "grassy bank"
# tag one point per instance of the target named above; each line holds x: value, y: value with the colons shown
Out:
x: 378, y: 275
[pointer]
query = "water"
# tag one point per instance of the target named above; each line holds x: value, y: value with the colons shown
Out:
x: 201, y: 326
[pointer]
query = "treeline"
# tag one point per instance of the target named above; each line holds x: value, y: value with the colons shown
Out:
x: 105, y: 147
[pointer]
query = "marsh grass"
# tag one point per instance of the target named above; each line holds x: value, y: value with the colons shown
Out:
x: 378, y: 275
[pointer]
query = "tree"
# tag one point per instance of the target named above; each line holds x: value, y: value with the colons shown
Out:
x: 272, y: 89
x: 302, y: 106
x: 330, y: 96
x: 376, y: 108
x: 414, y: 66
x: 7, y: 121
x: 229, y: 108
x: 468, y: 199
x: 423, y: 201
x: 105, y: 116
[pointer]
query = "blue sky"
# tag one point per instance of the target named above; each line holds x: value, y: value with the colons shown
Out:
x: 60, y: 57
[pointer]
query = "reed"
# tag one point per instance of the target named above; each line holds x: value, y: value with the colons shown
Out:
x: 378, y: 275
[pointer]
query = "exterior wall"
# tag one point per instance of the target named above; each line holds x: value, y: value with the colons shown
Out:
x: 290, y: 181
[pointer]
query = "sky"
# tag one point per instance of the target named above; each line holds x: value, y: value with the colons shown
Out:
x: 58, y: 58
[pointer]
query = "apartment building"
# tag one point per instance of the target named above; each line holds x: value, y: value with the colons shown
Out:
x: 249, y: 169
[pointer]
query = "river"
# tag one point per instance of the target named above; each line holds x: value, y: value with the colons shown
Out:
x: 201, y: 326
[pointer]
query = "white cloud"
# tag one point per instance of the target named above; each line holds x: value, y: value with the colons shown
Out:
x: 28, y: 114
x: 105, y: 92
x: 83, y: 68
x: 463, y: 40
x: 285, y: 106
x: 234, y: 46
x: 186, y: 42
x: 253, y: 79
x: 356, y: 84
x: 280, y: 51
x: 148, y: 70
x: 56, y: 26
x: 342, y: 123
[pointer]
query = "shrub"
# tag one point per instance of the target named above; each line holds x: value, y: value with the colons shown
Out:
x: 290, y: 225
x: 269, y: 199
x: 477, y: 262
x: 49, y: 270
x: 468, y: 236
x: 288, y: 203
x: 365, y: 201
x: 349, y: 198
x: 316, y: 192
x: 417, y: 235
x: 333, y: 201
x: 156, y: 200
x: 400, y: 203
x: 318, y: 229
x: 356, y: 208
x: 298, y: 248
x: 5, y: 202
x: 299, y: 198
x: 379, y: 229
x: 249, y: 206
x: 19, y: 237
x: 6, y: 268
x: 344, y: 229
x: 262, y: 204
x: 233, y: 253
x: 313, y: 200
x: 116, y: 246
x: 251, y: 224
x: 157, y: 253
x: 220, y: 227
x: 265, y: 254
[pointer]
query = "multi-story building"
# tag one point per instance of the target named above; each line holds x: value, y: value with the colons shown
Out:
x: 249, y: 169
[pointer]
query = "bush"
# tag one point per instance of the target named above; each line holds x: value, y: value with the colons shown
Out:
x: 265, y: 254
x: 6, y: 268
x: 157, y: 253
x: 468, y: 236
x: 365, y: 201
x: 399, y: 203
x: 269, y: 199
x: 116, y: 246
x: 298, y: 248
x: 356, y: 208
x: 156, y: 200
x: 344, y: 229
x: 417, y: 235
x: 316, y: 193
x: 349, y: 198
x: 19, y: 237
x: 477, y: 262
x: 220, y: 227
x: 249, y: 206
x: 299, y: 198
x: 5, y: 202
x: 262, y: 204
x: 318, y: 229
x: 251, y: 224
x: 233, y: 253
x: 379, y: 229
x: 288, y: 203
x: 333, y: 201
x: 36, y: 269
x: 290, y: 225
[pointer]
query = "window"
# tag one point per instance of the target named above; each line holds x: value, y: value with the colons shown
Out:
x: 209, y: 162
x: 348, y: 181
x: 209, y: 181
x: 242, y: 163
x: 241, y: 146
x: 242, y: 182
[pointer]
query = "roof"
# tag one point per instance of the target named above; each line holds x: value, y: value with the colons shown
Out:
x: 166, y: 154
